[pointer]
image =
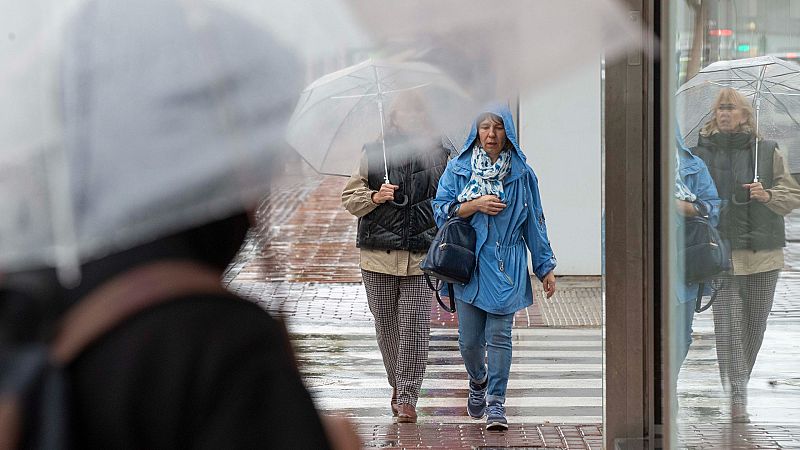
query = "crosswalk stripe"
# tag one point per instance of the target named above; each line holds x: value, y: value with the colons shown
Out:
x: 305, y: 330
x: 367, y: 417
x: 368, y: 343
x: 427, y: 402
x: 556, y: 375
x: 433, y: 383
x: 517, y: 354
x: 433, y: 368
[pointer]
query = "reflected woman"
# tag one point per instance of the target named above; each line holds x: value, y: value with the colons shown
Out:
x: 752, y: 221
x: 695, y: 195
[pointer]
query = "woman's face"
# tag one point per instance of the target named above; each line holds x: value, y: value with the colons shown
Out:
x: 492, y: 136
x: 409, y: 120
x: 729, y: 117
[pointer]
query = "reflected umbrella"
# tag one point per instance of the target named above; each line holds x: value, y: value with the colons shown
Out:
x: 771, y: 84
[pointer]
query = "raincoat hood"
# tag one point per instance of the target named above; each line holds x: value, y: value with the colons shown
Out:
x: 690, y: 163
x: 461, y: 163
x: 502, y: 111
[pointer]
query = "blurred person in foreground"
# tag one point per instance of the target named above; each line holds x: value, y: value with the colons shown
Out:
x: 395, y: 230
x: 205, y: 369
x: 751, y: 219
x: 491, y: 183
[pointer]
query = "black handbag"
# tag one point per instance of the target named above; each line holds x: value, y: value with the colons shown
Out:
x: 705, y: 255
x: 451, y: 257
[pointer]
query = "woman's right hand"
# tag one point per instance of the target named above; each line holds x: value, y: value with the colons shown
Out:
x: 488, y: 204
x: 685, y: 208
x: 385, y: 194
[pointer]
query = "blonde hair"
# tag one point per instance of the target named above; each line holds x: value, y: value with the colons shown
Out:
x: 730, y: 95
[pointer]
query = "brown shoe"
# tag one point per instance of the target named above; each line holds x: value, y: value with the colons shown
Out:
x: 739, y: 413
x: 393, y: 403
x: 406, y: 413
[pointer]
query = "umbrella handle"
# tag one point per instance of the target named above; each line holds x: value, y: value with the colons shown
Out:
x: 736, y: 202
x: 401, y: 204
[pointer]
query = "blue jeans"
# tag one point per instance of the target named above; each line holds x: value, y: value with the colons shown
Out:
x: 479, y: 331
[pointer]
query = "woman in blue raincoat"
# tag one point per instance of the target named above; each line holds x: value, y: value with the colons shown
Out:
x: 695, y: 195
x: 490, y: 182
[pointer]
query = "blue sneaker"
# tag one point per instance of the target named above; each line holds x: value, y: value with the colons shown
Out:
x: 476, y: 402
x: 496, y: 420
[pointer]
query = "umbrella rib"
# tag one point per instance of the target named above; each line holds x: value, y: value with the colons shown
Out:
x: 782, y: 83
x: 750, y: 91
x: 749, y: 83
x: 339, y: 129
x: 699, y: 122
x: 321, y: 100
x: 393, y: 91
x: 723, y: 83
x: 793, y: 73
x: 785, y: 108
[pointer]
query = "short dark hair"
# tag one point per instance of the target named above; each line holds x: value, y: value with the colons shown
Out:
x: 491, y: 116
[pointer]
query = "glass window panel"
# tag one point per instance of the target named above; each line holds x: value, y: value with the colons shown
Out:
x: 736, y: 163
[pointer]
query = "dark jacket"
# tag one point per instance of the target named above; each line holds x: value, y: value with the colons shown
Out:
x: 203, y: 371
x: 415, y: 166
x: 729, y: 157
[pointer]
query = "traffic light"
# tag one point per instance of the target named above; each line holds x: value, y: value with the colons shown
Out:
x: 722, y: 32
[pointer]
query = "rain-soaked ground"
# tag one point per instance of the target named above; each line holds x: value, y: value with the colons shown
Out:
x: 303, y: 266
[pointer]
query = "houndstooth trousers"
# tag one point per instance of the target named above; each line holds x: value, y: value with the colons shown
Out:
x: 740, y: 311
x: 401, y: 306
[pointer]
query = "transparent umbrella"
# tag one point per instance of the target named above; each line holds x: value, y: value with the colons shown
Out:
x: 126, y: 121
x: 495, y: 50
x: 773, y: 86
x: 341, y: 112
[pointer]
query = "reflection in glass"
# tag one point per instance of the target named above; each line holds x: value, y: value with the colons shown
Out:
x: 737, y: 107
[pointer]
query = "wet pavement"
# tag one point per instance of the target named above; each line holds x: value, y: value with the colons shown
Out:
x: 302, y: 265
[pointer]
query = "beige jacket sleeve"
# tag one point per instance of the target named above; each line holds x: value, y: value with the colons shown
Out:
x: 785, y: 192
x: 357, y: 196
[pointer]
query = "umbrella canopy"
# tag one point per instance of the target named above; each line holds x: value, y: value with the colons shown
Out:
x: 341, y: 112
x: 128, y: 121
x: 771, y: 84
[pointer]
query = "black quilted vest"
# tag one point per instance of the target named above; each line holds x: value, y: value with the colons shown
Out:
x: 729, y: 157
x: 415, y: 166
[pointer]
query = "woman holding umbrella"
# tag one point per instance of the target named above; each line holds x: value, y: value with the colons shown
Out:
x: 395, y: 229
x: 490, y: 182
x: 756, y: 191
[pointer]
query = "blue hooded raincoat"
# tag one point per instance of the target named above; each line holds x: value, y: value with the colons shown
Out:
x: 500, y: 283
x: 695, y: 176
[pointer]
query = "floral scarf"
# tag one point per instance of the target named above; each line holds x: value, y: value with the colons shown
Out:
x: 487, y: 178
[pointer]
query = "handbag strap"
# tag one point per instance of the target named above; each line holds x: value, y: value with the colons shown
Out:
x: 698, y: 305
x: 452, y: 308
x: 126, y: 295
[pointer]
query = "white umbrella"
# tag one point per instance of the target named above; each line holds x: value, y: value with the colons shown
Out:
x: 126, y: 121
x: 771, y: 84
x: 498, y: 49
x: 342, y: 111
